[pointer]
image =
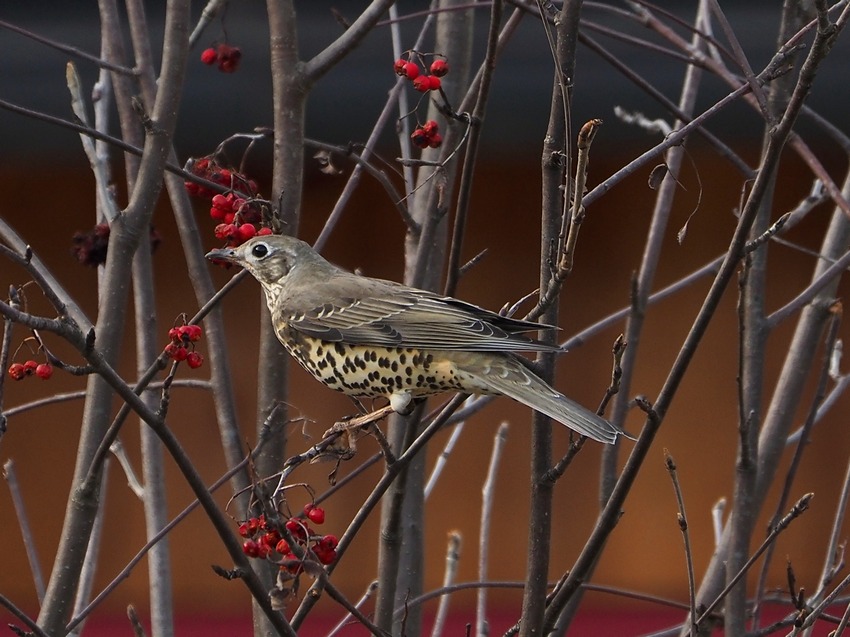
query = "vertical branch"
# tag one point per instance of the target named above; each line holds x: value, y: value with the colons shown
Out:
x: 11, y: 477
x: 402, y: 547
x: 144, y: 302
x: 556, y: 161
x: 754, y: 332
x: 198, y: 267
x: 125, y: 237
x: 488, y: 499
x: 289, y: 96
x: 452, y: 558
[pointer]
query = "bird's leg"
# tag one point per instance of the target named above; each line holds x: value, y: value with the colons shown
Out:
x: 389, y: 456
x: 359, y: 405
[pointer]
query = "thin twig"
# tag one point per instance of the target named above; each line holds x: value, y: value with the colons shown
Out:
x: 683, y: 527
x: 488, y: 501
x: 11, y: 477
x: 442, y: 460
x: 370, y: 591
x: 449, y: 575
x: 70, y: 50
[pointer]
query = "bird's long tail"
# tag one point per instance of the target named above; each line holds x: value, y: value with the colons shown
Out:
x: 506, y: 375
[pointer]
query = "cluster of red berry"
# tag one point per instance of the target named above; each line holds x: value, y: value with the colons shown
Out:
x: 427, y: 135
x: 90, y: 248
x: 239, y: 219
x: 262, y: 540
x: 238, y: 212
x: 422, y: 83
x: 184, y: 337
x: 19, y: 371
x: 208, y: 168
x: 227, y: 57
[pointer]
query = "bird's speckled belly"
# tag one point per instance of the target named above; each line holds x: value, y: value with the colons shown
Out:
x: 362, y: 370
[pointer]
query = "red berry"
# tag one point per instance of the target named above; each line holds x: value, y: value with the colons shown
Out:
x: 422, y: 84
x: 411, y: 70
x: 228, y: 58
x: 399, y: 65
x: 245, y: 529
x: 420, y: 138
x: 224, y: 231
x: 209, y: 56
x: 174, y: 333
x: 29, y: 367
x: 262, y: 232
x: 246, y: 231
x: 179, y: 353
x: 298, y: 529
x: 282, y: 547
x: 329, y: 541
x: 191, y: 332
x: 194, y: 360
x: 16, y: 371
x: 270, y: 539
x: 435, y: 140
x: 224, y: 176
x: 430, y: 127
x: 439, y: 68
x: 434, y: 83
x: 316, y: 514
x: 251, y: 548
x: 44, y: 371
x: 326, y: 556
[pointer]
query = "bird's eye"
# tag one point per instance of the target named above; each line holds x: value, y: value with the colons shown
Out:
x: 260, y: 250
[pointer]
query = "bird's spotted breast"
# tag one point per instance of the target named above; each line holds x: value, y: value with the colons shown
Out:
x: 369, y: 371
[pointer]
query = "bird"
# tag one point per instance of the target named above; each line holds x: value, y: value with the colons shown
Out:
x: 370, y: 338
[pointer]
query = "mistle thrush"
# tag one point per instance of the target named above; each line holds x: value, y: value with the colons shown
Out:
x: 368, y: 337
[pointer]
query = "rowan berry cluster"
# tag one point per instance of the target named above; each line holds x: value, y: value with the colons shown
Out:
x: 411, y: 66
x: 238, y: 219
x: 406, y: 67
x: 19, y: 371
x: 182, y: 345
x: 90, y: 248
x: 239, y: 214
x: 427, y: 135
x: 227, y: 57
x: 264, y: 542
x: 208, y: 168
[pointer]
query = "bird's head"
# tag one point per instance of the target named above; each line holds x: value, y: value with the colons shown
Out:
x: 269, y: 258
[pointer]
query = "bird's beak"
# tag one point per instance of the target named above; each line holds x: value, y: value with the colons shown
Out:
x: 223, y: 254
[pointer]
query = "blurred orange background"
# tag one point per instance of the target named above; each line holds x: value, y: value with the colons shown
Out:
x: 645, y: 552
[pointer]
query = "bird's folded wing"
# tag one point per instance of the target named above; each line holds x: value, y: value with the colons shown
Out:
x: 403, y: 318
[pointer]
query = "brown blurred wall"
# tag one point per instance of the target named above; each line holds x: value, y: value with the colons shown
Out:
x: 645, y: 552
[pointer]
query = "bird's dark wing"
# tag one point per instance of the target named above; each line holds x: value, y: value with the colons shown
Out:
x: 392, y: 315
